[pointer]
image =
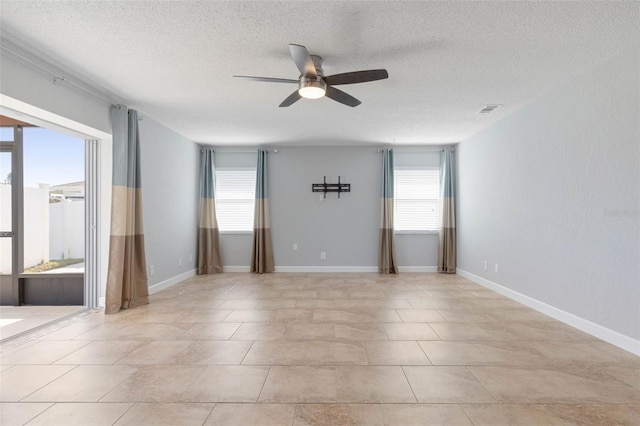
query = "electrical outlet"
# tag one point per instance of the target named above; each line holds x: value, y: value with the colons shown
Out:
x: 323, y: 255
x: 179, y: 261
x: 496, y: 267
x: 190, y: 258
x: 486, y: 265
x: 295, y: 246
x: 152, y: 269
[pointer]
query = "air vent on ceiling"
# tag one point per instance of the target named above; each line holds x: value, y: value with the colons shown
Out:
x: 489, y: 108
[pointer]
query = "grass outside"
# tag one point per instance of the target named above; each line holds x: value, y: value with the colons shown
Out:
x: 53, y: 264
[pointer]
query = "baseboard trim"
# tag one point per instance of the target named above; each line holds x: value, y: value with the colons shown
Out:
x: 610, y: 336
x: 333, y: 269
x: 171, y: 281
x: 236, y: 269
x: 418, y: 269
x: 159, y: 286
x: 327, y: 269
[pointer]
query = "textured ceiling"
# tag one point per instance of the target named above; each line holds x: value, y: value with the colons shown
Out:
x: 174, y: 61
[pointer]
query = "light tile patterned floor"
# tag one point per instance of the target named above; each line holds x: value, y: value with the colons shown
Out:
x: 16, y: 320
x: 319, y: 349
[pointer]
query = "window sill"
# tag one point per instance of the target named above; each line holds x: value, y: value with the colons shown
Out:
x: 416, y: 232
x: 236, y: 232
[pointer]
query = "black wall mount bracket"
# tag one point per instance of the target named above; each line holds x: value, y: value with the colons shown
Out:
x: 331, y: 187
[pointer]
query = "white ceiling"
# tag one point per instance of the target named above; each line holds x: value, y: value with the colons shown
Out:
x: 174, y: 61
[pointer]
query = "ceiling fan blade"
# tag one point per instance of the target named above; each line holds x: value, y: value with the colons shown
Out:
x: 342, y: 97
x: 303, y: 60
x: 267, y: 79
x: 356, y: 77
x: 291, y: 99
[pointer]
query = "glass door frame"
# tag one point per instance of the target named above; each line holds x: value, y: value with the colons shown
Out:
x: 15, y: 293
x: 15, y: 147
x: 98, y: 142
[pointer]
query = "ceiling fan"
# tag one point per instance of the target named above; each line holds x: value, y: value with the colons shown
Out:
x: 313, y: 84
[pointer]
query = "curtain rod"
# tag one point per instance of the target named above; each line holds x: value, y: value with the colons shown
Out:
x: 59, y: 77
x: 410, y: 150
x: 240, y: 151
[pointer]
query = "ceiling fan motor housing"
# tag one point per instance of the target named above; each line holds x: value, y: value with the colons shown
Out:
x: 311, y: 82
x: 310, y: 87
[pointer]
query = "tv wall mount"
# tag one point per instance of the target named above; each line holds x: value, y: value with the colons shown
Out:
x: 331, y: 187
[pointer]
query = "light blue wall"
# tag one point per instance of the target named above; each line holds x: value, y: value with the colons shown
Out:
x: 170, y: 182
x: 347, y: 229
x: 536, y: 192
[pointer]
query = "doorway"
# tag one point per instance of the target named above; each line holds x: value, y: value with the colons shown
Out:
x: 42, y: 216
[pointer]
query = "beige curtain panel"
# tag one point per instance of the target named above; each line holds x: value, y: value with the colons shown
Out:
x: 209, y: 257
x: 127, y: 272
x: 447, y: 236
x: 262, y: 252
x: 387, y: 251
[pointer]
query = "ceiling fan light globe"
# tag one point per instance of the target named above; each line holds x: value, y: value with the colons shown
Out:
x: 312, y: 89
x: 311, y: 92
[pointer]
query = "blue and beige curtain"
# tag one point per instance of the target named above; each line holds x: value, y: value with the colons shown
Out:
x: 447, y: 238
x: 127, y: 273
x: 209, y: 259
x: 262, y: 253
x: 387, y: 255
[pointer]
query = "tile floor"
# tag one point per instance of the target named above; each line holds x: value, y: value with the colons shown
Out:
x: 16, y: 320
x: 318, y: 349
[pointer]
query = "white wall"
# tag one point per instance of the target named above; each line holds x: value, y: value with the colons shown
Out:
x: 347, y: 229
x: 51, y: 231
x: 66, y: 230
x: 536, y: 192
x: 36, y: 226
x: 170, y: 168
x: 5, y: 224
x: 36, y: 230
x: 33, y: 86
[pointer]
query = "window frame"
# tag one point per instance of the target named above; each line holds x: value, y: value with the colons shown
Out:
x: 217, y: 200
x: 395, y: 192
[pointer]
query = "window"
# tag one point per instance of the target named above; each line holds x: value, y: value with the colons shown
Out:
x: 235, y: 198
x: 416, y: 204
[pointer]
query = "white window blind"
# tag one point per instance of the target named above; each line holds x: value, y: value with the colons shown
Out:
x: 235, y: 198
x: 417, y: 204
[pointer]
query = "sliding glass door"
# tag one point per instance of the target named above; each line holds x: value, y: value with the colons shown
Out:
x: 7, y: 282
x: 43, y: 198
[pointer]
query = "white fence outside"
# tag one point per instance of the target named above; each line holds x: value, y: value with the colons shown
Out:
x: 66, y: 230
x: 51, y: 231
x: 36, y: 225
x: 5, y: 225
